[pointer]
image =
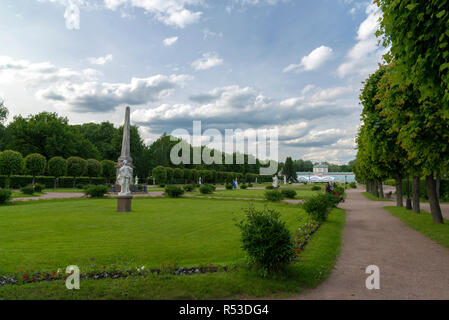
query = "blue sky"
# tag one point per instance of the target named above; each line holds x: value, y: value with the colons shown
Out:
x: 248, y: 64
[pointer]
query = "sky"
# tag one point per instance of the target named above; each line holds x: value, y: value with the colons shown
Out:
x: 293, y: 65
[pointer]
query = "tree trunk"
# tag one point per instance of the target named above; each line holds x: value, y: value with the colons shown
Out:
x: 435, y: 208
x: 399, y: 201
x: 376, y: 188
x: 438, y: 184
x: 74, y: 182
x: 381, y: 189
x: 415, y: 194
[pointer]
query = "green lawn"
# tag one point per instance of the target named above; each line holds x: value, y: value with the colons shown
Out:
x: 423, y: 223
x: 369, y: 196
x: 18, y: 194
x: 46, y: 235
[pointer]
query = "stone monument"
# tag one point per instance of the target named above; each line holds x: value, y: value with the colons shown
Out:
x: 285, y: 179
x: 275, y: 182
x: 124, y: 169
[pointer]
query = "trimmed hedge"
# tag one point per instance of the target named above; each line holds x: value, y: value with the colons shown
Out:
x: 18, y: 182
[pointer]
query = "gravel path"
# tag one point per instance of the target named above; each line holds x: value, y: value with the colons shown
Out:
x: 411, y: 265
x: 52, y: 195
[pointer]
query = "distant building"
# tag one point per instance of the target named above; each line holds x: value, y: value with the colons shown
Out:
x: 320, y: 169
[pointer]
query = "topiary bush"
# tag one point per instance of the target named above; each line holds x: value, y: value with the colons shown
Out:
x: 250, y: 185
x: 39, y: 187
x: 244, y: 187
x: 5, y: 196
x: 207, y: 189
x: 353, y: 185
x: 229, y: 186
x: 28, y: 190
x: 318, y: 207
x: 272, y: 195
x: 174, y: 192
x: 189, y: 188
x: 266, y: 240
x: 287, y: 193
x: 96, y: 191
x: 316, y: 188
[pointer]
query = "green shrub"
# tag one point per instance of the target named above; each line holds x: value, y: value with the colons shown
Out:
x: 250, y: 185
x: 244, y: 187
x: 287, y: 193
x: 96, y: 191
x: 39, y: 187
x: 207, y: 189
x: 353, y: 185
x: 269, y: 187
x: 5, y: 196
x: 340, y: 190
x: 174, y: 191
x: 318, y: 207
x: 189, y: 187
x: 266, y: 240
x: 272, y: 195
x: 229, y: 186
x: 331, y: 199
x: 28, y: 190
x: 81, y: 186
x: 316, y: 188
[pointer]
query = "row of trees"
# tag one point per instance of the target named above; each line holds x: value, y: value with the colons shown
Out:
x: 12, y: 163
x: 405, y: 102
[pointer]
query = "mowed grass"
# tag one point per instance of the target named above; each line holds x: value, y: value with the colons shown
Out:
x: 423, y: 223
x: 313, y: 266
x: 47, y: 235
x: 369, y: 196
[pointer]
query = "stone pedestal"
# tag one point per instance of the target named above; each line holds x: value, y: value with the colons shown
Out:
x: 124, y: 203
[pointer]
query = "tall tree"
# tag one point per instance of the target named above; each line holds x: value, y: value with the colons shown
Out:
x: 289, y: 169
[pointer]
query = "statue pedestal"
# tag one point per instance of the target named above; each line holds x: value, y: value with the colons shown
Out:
x: 124, y: 203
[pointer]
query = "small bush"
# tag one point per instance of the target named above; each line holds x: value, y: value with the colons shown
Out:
x: 250, y: 185
x: 318, y: 207
x: 244, y: 187
x: 207, y: 189
x: 96, y: 191
x: 81, y: 186
x: 266, y: 240
x: 316, y: 188
x: 290, y: 194
x: 174, y: 192
x: 340, y: 190
x: 332, y: 199
x: 162, y: 185
x: 39, y: 187
x: 5, y: 196
x: 353, y: 185
x: 229, y: 186
x: 269, y: 187
x: 272, y: 195
x: 28, y: 190
x: 189, y: 188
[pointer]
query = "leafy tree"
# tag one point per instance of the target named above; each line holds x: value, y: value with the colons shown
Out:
x: 187, y: 174
x: 11, y: 162
x: 35, y: 165
x: 289, y: 169
x: 57, y: 167
x: 178, y: 174
x: 3, y: 112
x: 108, y: 170
x: 76, y: 166
x: 170, y: 174
x: 160, y: 175
x: 93, y: 168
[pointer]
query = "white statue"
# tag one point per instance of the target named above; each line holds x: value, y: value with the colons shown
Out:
x: 125, y: 178
x: 275, y: 182
x: 136, y: 181
x: 285, y: 179
x: 200, y: 181
x: 256, y: 180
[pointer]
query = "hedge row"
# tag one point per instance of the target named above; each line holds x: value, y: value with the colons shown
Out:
x: 49, y: 182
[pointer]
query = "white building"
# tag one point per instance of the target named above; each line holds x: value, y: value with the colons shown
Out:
x: 320, y: 169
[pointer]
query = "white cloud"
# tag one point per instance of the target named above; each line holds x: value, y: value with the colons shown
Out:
x: 210, y: 34
x: 209, y: 60
x: 171, y: 12
x: 72, y: 16
x: 101, y: 60
x: 313, y: 61
x: 170, y: 41
x: 366, y: 54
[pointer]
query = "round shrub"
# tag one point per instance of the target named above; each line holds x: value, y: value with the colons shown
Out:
x: 5, y: 196
x: 332, y: 199
x: 316, y: 188
x: 353, y: 185
x: 290, y: 194
x: 93, y: 168
x: 39, y: 187
x: 189, y: 188
x: 57, y: 167
x: 160, y: 174
x: 229, y: 186
x: 272, y: 195
x: 35, y: 164
x: 318, y: 207
x: 28, y: 190
x: 243, y: 186
x: 266, y: 240
x: 76, y: 166
x: 96, y: 191
x: 11, y: 162
x: 108, y: 170
x: 174, y: 192
x: 269, y: 187
x: 207, y: 189
x: 250, y: 185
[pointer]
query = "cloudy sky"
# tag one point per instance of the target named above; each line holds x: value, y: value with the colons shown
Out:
x: 295, y: 65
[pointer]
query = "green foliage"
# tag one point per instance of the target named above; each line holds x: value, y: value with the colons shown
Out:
x: 96, y: 191
x: 93, y: 168
x: 76, y: 166
x: 108, y: 169
x: 28, y: 190
x: 266, y: 240
x: 316, y: 188
x: 5, y: 196
x: 244, y: 187
x: 57, y: 167
x: 189, y: 187
x: 269, y: 187
x: 174, y: 192
x: 178, y: 174
x: 160, y: 174
x: 353, y: 185
x: 35, y: 164
x: 318, y: 207
x: 207, y: 189
x: 288, y: 193
x: 38, y: 187
x: 273, y: 195
x: 229, y: 186
x: 340, y: 190
x: 289, y: 169
x: 11, y: 162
